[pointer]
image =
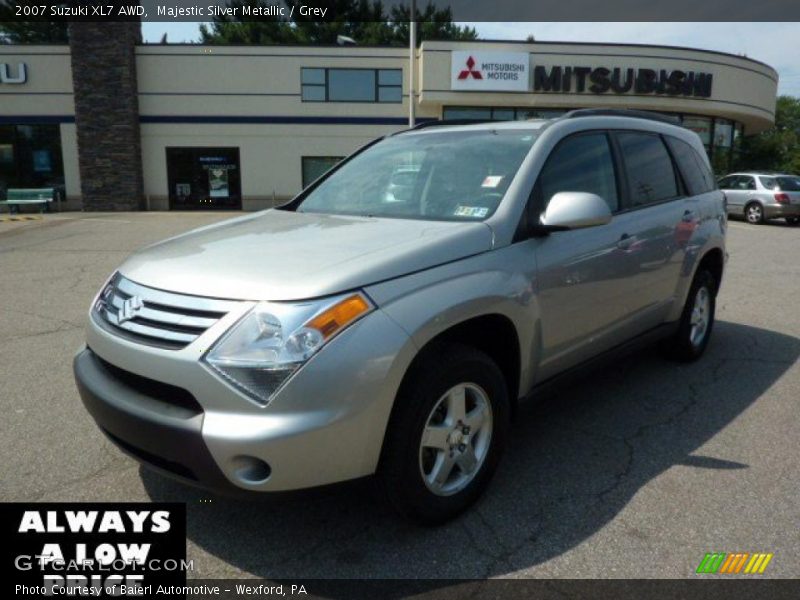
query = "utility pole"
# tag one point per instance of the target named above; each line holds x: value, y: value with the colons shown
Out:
x: 412, y: 54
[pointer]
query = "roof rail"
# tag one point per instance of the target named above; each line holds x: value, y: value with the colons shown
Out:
x: 443, y: 123
x: 448, y: 122
x: 622, y: 112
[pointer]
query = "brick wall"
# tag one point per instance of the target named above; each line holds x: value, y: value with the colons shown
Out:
x: 107, y: 114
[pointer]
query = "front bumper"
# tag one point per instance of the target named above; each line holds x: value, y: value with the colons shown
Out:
x: 169, y: 411
x: 166, y: 437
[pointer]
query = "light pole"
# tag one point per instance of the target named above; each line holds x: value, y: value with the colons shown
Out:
x: 412, y: 52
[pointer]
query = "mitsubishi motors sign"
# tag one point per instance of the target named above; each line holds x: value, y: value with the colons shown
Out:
x: 490, y: 71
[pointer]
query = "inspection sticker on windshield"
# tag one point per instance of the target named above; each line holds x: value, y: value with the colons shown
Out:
x: 471, y: 211
x: 492, y: 181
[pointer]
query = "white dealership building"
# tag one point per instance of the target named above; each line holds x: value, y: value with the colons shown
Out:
x: 244, y: 126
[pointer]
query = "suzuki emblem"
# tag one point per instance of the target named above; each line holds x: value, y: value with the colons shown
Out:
x: 129, y: 309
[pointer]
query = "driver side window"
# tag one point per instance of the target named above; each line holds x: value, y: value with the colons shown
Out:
x: 581, y: 163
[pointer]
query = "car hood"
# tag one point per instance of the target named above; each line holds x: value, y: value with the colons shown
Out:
x: 283, y: 255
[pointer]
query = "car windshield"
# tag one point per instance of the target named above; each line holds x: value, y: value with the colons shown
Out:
x: 453, y: 176
x: 783, y: 184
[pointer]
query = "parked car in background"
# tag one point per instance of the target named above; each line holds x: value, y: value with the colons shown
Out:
x: 343, y: 335
x: 760, y: 196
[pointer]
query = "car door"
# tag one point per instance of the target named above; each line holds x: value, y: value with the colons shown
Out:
x: 728, y: 186
x: 584, y: 276
x: 661, y: 212
x: 744, y: 189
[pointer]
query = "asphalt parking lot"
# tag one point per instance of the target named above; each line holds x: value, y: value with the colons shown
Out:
x: 636, y: 471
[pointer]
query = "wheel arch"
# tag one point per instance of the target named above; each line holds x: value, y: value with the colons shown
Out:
x: 714, y: 261
x: 495, y: 335
x: 504, y: 351
x: 712, y: 256
x: 749, y: 201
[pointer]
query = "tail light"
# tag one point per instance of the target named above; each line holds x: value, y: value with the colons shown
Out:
x: 782, y: 198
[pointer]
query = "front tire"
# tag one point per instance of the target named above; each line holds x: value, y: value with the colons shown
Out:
x: 446, y: 434
x: 697, y: 319
x: 793, y: 221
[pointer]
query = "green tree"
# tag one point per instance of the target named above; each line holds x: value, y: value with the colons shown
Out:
x: 13, y: 31
x: 362, y: 20
x: 778, y: 148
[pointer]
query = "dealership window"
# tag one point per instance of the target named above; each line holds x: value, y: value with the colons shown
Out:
x: 499, y: 113
x: 722, y: 149
x: 204, y: 178
x: 351, y: 85
x: 316, y: 166
x: 701, y: 126
x: 736, y: 150
x: 651, y: 177
x: 30, y: 157
x: 313, y: 83
x: 467, y: 113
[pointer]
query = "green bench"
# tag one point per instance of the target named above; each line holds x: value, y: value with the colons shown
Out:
x: 16, y: 196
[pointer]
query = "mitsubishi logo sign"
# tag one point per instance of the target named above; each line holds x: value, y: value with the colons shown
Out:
x: 469, y: 71
x: 489, y: 71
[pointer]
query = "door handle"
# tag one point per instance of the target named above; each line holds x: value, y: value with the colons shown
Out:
x: 625, y: 241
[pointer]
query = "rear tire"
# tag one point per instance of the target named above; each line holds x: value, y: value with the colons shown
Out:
x: 754, y: 213
x: 793, y: 220
x: 446, y: 434
x: 697, y: 320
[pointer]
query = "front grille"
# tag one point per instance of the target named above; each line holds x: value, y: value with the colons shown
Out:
x: 156, y: 317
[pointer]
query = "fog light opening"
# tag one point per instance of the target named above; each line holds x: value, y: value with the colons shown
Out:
x: 251, y: 470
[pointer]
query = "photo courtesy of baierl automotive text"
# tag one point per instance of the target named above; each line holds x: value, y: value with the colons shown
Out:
x: 345, y: 299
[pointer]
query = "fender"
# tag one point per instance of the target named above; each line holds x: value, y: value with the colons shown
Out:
x: 708, y: 235
x: 451, y: 294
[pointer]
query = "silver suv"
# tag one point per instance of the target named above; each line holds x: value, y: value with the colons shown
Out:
x: 762, y: 196
x: 351, y: 332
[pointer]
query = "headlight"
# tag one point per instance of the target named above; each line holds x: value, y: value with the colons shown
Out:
x: 260, y: 352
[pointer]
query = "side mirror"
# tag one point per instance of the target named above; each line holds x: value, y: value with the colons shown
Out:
x: 575, y: 210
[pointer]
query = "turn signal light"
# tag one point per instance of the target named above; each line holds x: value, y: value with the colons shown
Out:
x: 782, y: 198
x: 339, y: 315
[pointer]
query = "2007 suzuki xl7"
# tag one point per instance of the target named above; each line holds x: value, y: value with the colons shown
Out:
x: 358, y: 330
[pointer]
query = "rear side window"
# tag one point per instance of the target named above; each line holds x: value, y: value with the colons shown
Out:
x: 780, y: 183
x: 650, y: 175
x: 696, y: 175
x: 581, y: 163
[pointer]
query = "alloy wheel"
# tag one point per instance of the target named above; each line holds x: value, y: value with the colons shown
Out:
x: 456, y: 439
x: 754, y: 213
x: 701, y: 314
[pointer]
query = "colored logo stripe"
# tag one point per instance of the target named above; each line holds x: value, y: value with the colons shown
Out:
x: 758, y: 563
x: 711, y: 562
x: 734, y: 563
x: 721, y: 562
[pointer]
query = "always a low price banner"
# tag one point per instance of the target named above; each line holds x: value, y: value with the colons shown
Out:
x: 93, y: 549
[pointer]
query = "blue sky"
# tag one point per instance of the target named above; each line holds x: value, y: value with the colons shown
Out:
x: 777, y: 44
